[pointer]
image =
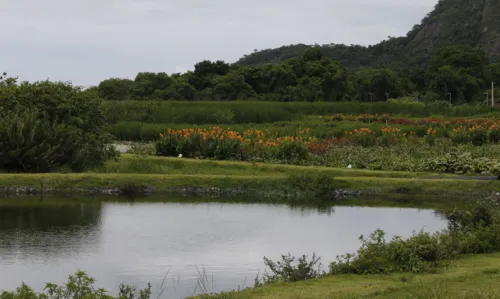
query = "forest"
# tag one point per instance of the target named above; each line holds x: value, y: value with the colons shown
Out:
x: 456, y: 74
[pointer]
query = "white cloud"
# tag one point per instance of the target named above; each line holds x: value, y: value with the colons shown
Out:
x: 87, y: 41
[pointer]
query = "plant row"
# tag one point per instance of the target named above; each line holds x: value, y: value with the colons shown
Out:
x: 240, y: 112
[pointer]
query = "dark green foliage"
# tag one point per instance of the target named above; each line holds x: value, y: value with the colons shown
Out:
x: 462, y: 72
x: 479, y: 213
x: 148, y: 85
x: 47, y: 125
x: 116, y: 89
x: 29, y: 143
x: 463, y: 163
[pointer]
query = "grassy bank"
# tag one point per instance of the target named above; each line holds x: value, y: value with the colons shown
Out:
x: 474, y: 276
x: 164, y: 182
x: 159, y: 175
x: 129, y: 163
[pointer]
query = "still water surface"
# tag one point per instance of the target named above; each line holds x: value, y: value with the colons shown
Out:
x: 136, y: 243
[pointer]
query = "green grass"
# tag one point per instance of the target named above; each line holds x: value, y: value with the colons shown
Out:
x: 129, y: 163
x: 470, y: 277
x: 164, y: 173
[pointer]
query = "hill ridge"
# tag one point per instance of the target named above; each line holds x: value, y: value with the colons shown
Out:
x: 451, y: 22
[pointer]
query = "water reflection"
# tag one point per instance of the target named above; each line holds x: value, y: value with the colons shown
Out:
x: 49, y: 231
x: 44, y: 217
x: 138, y: 242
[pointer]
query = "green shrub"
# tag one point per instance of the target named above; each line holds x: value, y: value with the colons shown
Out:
x: 475, y: 135
x: 463, y: 163
x: 79, y: 286
x: 47, y: 125
x: 415, y: 254
x: 472, y: 229
x: 493, y: 134
x: 286, y: 271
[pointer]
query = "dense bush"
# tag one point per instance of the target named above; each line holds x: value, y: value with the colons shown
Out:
x: 415, y: 254
x: 473, y: 229
x: 463, y: 163
x: 48, y: 125
x: 287, y: 271
x: 475, y: 135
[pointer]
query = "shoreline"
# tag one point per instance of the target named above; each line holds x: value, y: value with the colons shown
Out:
x: 233, y: 185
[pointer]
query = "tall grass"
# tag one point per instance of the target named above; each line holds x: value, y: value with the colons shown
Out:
x: 200, y: 112
x: 265, y: 112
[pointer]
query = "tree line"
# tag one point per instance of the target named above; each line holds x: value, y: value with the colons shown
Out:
x: 460, y: 73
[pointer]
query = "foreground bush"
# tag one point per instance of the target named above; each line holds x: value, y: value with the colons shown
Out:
x: 473, y: 230
x: 78, y: 286
x: 286, y: 271
x: 46, y: 125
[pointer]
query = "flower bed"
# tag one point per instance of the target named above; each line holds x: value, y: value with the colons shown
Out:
x: 225, y: 144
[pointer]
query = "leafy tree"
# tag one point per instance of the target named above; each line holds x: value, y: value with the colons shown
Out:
x: 180, y: 90
x: 116, y: 89
x: 472, y: 61
x: 459, y: 70
x: 205, y: 71
x: 232, y: 87
x: 378, y: 82
x: 145, y: 84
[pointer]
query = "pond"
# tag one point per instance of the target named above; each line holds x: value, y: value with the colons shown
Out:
x: 141, y: 242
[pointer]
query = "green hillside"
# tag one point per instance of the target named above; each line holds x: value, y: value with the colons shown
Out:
x: 452, y: 22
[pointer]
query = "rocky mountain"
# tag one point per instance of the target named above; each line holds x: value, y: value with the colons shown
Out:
x: 452, y: 22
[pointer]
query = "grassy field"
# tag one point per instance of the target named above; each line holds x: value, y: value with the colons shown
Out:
x: 144, y: 120
x: 471, y: 277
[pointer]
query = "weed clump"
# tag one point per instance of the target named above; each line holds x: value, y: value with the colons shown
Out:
x: 79, y: 285
x: 286, y: 271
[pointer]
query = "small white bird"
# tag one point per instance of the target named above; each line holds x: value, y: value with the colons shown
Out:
x: 349, y: 166
x: 180, y: 155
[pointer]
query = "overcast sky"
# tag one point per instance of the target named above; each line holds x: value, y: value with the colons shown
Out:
x: 86, y: 41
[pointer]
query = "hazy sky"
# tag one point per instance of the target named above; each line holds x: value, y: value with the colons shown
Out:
x: 86, y: 41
